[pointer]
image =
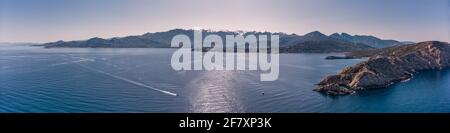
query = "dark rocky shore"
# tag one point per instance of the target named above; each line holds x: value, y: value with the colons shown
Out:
x: 340, y: 57
x: 387, y: 66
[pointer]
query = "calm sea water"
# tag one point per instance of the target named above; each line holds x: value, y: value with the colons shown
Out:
x: 34, y: 79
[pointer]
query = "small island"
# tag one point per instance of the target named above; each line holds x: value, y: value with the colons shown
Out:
x: 340, y: 57
x: 387, y: 66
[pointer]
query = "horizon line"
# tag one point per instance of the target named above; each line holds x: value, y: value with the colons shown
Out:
x: 214, y: 30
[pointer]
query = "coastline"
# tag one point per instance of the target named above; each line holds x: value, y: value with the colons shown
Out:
x: 386, y: 67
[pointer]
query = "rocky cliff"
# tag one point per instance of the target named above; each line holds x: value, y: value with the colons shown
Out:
x: 388, y: 66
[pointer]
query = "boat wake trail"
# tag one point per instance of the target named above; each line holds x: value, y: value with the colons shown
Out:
x: 128, y: 81
x: 70, y: 62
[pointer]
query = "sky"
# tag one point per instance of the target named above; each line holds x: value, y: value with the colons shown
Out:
x: 51, y: 20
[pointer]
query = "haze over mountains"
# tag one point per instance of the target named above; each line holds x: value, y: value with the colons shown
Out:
x: 314, y: 42
x: 368, y: 40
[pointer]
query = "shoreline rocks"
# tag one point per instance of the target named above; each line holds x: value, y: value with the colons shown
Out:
x: 387, y: 66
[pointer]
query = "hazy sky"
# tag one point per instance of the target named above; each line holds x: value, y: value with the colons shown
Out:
x: 51, y: 20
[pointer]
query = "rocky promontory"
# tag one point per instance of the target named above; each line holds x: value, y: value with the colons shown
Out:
x: 387, y: 66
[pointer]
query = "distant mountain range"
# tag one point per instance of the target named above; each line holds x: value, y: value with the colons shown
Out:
x: 314, y: 42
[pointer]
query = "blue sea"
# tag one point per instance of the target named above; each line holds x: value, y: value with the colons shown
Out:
x: 35, y: 79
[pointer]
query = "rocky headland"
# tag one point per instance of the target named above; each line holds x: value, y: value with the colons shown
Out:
x: 387, y: 66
